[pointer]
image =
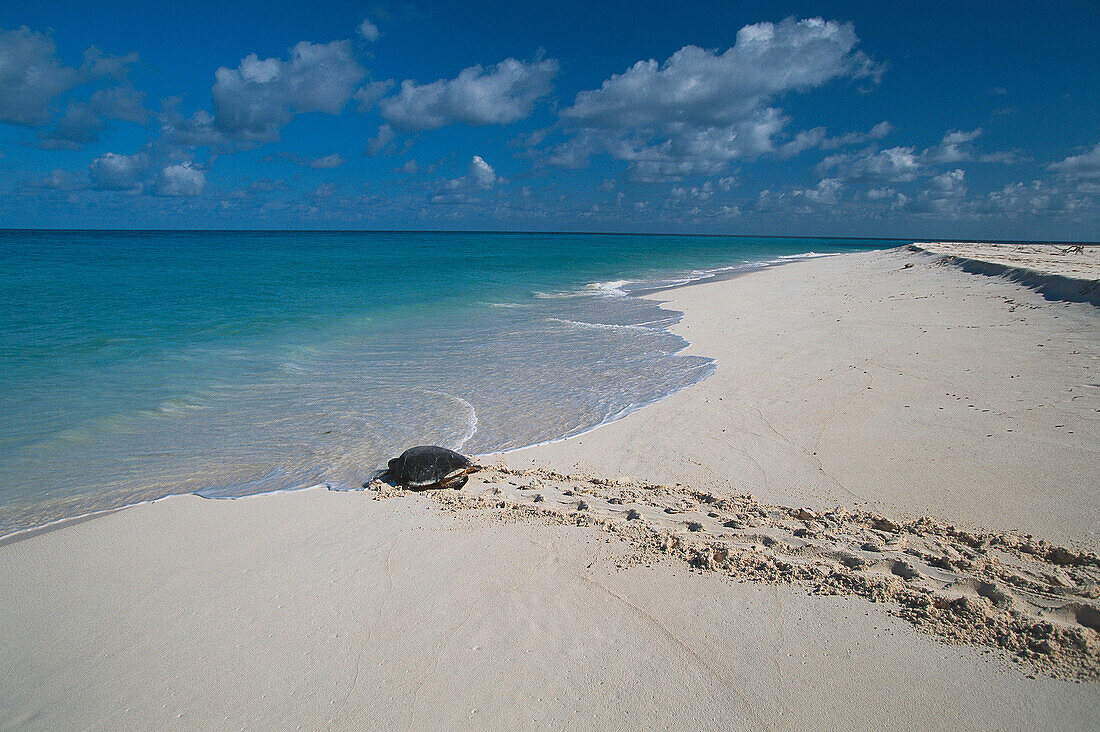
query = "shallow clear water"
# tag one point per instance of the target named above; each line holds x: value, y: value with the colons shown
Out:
x: 138, y: 364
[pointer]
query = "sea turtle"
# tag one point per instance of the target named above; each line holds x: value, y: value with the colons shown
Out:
x: 428, y: 466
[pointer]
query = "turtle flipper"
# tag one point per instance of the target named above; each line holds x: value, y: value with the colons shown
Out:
x: 456, y: 482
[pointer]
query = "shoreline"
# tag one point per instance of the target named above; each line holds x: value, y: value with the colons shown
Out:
x: 1052, y: 285
x: 656, y: 461
x: 848, y: 391
x: 651, y: 293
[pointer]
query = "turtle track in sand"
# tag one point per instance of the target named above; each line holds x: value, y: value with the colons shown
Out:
x: 1015, y: 592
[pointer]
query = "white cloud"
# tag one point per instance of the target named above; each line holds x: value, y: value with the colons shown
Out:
x: 481, y: 174
x: 328, y: 161
x: 881, y: 194
x: 827, y: 191
x: 818, y: 137
x: 371, y: 93
x: 410, y: 166
x: 905, y: 164
x: 893, y: 165
x: 697, y: 193
x: 193, y: 131
x: 1085, y: 165
x: 382, y: 139
x: 701, y: 109
x: 114, y: 172
x: 802, y: 200
x: 255, y: 100
x: 950, y: 183
x: 140, y: 173
x: 180, y: 179
x: 369, y: 30
x: 955, y: 147
x: 945, y: 196
x: 1037, y: 198
x: 32, y: 76
x: 501, y: 94
x: 879, y: 131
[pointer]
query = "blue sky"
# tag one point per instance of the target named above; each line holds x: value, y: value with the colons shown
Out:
x: 932, y: 119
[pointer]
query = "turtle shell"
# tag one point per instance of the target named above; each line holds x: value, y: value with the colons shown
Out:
x: 426, y: 466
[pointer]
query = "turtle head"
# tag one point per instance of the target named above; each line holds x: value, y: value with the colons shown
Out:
x: 387, y: 475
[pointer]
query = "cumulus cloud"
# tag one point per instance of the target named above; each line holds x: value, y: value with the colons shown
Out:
x: 802, y: 200
x: 950, y: 183
x: 1036, y: 198
x: 700, y: 109
x: 1085, y: 165
x: 144, y: 172
x: 696, y: 193
x: 480, y: 176
x: 501, y: 94
x: 114, y: 172
x: 944, y: 196
x: 255, y: 100
x: 180, y: 179
x: 32, y: 76
x: 369, y: 30
x: 905, y: 164
x: 885, y: 193
x: 193, y: 131
x: 892, y: 165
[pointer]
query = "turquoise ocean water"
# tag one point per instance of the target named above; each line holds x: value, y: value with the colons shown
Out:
x: 135, y: 365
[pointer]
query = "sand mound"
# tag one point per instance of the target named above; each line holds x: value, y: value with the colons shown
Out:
x: 1037, y: 601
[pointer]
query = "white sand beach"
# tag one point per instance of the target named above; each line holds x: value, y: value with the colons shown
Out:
x: 902, y: 427
x: 1077, y: 261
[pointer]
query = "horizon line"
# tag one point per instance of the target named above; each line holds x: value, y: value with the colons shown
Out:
x: 549, y: 232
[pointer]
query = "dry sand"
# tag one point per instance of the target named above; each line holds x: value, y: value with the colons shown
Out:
x: 944, y: 414
x: 1078, y: 261
x: 862, y: 382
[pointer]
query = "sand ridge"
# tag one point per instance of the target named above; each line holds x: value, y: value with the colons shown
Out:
x: 1078, y: 261
x: 1019, y: 593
